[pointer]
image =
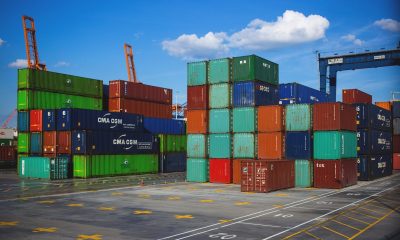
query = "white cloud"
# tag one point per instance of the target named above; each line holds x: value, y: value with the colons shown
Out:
x: 388, y: 24
x: 2, y: 41
x: 352, y: 38
x: 62, y: 64
x: 19, y: 63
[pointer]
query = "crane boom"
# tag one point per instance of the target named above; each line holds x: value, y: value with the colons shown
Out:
x: 130, y: 64
x: 31, y: 45
x: 5, y: 124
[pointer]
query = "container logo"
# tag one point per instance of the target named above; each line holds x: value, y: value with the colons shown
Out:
x: 245, y: 170
x: 107, y: 120
x: 381, y: 141
x: 382, y: 165
x: 266, y: 65
x: 320, y: 165
x: 381, y: 117
x: 129, y: 143
x: 264, y: 88
x: 125, y: 164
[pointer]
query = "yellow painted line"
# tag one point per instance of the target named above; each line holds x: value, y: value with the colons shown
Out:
x: 90, y: 237
x: 367, y: 215
x: 60, y: 185
x: 375, y: 205
x: 9, y: 223
x: 347, y: 225
x: 242, y: 203
x: 142, y: 212
x: 278, y: 206
x: 75, y: 205
x: 117, y: 194
x: 219, y: 191
x: 144, y: 196
x: 46, y: 202
x: 206, y: 201
x: 47, y: 230
x: 373, y: 210
x: 310, y: 188
x: 192, y: 188
x: 358, y: 220
x: 184, y: 216
x: 23, y: 199
x: 338, y: 233
x: 174, y: 198
x: 312, y: 235
x: 224, y: 220
x: 248, y: 192
x: 281, y: 195
x: 76, y: 184
x: 107, y: 208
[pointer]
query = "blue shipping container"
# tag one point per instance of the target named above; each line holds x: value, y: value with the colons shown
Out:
x: 298, y: 145
x: 373, y: 142
x: 35, y: 143
x: 105, y: 142
x: 172, y: 162
x: 396, y: 109
x: 23, y: 121
x: 248, y: 94
x: 290, y: 93
x: 373, y: 167
x: 49, y: 120
x: 164, y: 126
x: 82, y: 119
x: 370, y: 116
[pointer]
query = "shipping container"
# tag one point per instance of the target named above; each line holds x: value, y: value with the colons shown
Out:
x: 164, y: 126
x: 35, y: 120
x: 244, y: 119
x: 298, y: 145
x: 244, y: 145
x: 197, y: 146
x: 396, y: 161
x: 373, y: 167
x: 44, y: 167
x: 172, y: 143
x: 197, y: 97
x: 118, y: 142
x: 334, y: 116
x: 220, y: 120
x: 59, y: 83
x: 139, y: 91
x: 35, y: 143
x: 298, y: 117
x: 384, y: 105
x: 197, y: 121
x: 250, y: 94
x: 106, y: 94
x: 335, y: 145
x: 220, y: 145
x: 63, y: 142
x: 197, y: 170
x: 290, y: 93
x: 28, y: 99
x: 8, y: 153
x: 23, y: 142
x: 23, y: 121
x: 271, y: 145
x: 304, y: 173
x: 172, y: 162
x: 271, y: 118
x: 49, y: 142
x: 396, y: 126
x: 352, y: 96
x: 396, y: 109
x: 219, y: 71
x: 373, y: 142
x: 236, y: 171
x: 220, y: 95
x: 267, y: 176
x: 396, y: 143
x: 49, y: 120
x: 7, y: 142
x: 250, y: 68
x: 220, y: 170
x: 88, y: 166
x: 197, y: 73
x: 6, y: 133
x: 335, y: 174
x: 147, y: 109
x: 370, y: 116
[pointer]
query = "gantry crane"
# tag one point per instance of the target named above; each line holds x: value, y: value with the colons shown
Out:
x: 130, y: 64
x: 8, y: 119
x: 31, y: 45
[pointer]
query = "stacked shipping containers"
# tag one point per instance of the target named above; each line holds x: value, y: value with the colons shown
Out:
x: 396, y: 134
x: 8, y: 149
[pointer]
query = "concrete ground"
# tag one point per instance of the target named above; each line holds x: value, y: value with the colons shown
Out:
x: 165, y: 207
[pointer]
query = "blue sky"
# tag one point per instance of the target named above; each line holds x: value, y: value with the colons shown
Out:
x: 86, y: 38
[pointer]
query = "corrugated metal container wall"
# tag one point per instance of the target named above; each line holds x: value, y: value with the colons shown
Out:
x: 396, y: 143
x: 335, y: 145
x: 7, y: 142
x: 172, y: 143
x: 374, y: 117
x: 374, y: 142
x: 304, y: 173
x: 250, y: 94
x: 49, y: 120
x: 35, y: 143
x: 7, y: 153
x: 335, y: 174
x: 197, y: 146
x: 247, y: 175
x: 220, y: 170
x: 197, y: 97
x: 164, y: 126
x: 384, y: 105
x: 172, y: 162
x: 271, y: 118
x: 351, y: 96
x: 373, y: 167
x: 197, y: 73
x: 298, y: 145
x: 63, y: 142
x: 396, y: 126
x: 35, y: 120
x: 290, y: 93
x: 245, y: 119
x: 49, y: 142
x: 6, y: 133
x: 396, y: 109
x: 396, y: 161
x: 244, y: 145
x: 23, y: 142
x: 197, y: 170
x: 23, y: 121
x: 219, y: 71
x: 148, y: 109
x: 249, y: 68
x: 271, y: 145
x: 334, y: 116
x: 236, y: 171
x: 44, y: 167
x: 197, y: 121
x: 298, y: 117
x: 220, y: 95
x: 220, y: 121
x: 220, y: 146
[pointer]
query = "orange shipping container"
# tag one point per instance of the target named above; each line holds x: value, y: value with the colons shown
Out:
x: 236, y: 171
x: 384, y: 105
x: 271, y: 118
x: 147, y: 109
x: 197, y: 121
x: 271, y: 146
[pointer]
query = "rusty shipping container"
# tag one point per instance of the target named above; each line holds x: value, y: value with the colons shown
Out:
x: 396, y: 161
x: 197, y: 121
x: 335, y: 173
x: 49, y: 142
x: 35, y: 120
x: 197, y: 97
x: 351, y: 96
x: 396, y: 143
x: 271, y: 145
x: 63, y: 142
x: 147, y: 109
x: 271, y: 118
x: 236, y: 172
x: 334, y: 116
x: 8, y: 153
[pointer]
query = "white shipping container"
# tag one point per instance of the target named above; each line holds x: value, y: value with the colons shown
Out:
x: 6, y: 133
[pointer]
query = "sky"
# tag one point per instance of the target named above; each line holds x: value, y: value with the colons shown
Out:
x: 86, y: 38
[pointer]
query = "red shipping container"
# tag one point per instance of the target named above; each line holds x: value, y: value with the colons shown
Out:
x: 49, y: 142
x: 384, y: 105
x: 334, y: 116
x: 35, y: 120
x: 271, y: 145
x: 63, y: 142
x: 335, y: 173
x: 148, y: 109
x: 396, y: 143
x: 396, y: 161
x: 139, y: 91
x: 8, y: 153
x: 351, y: 96
x: 271, y: 118
x: 220, y: 170
x: 267, y: 176
x: 197, y: 97
x: 197, y: 121
x: 236, y: 173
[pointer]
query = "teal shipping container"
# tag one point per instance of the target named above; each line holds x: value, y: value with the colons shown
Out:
x: 220, y: 121
x: 197, y: 73
x: 220, y: 146
x: 244, y: 145
x: 196, y: 145
x: 219, y: 71
x: 44, y: 167
x: 250, y: 68
x: 304, y: 173
x: 335, y: 145
x: 197, y: 170
x: 220, y: 95
x: 36, y: 143
x: 298, y: 117
x: 245, y: 119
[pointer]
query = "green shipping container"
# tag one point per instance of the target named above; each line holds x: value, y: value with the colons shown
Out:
x: 23, y: 142
x: 304, y: 172
x: 244, y: 119
x: 196, y: 145
x: 113, y: 165
x: 28, y: 99
x: 298, y: 117
x: 197, y: 73
x: 219, y: 71
x: 172, y: 143
x: 244, y: 145
x: 250, y: 68
x: 197, y: 170
x: 220, y: 120
x: 44, y: 167
x: 58, y: 82
x: 220, y: 95
x: 220, y: 146
x: 335, y: 145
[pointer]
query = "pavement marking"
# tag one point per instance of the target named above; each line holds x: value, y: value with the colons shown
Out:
x: 75, y: 205
x: 277, y: 206
x: 106, y: 208
x: 219, y: 191
x: 263, y: 225
x: 46, y: 202
x: 371, y: 210
x: 334, y: 231
x: 117, y: 194
x: 356, y: 219
x: 184, y: 216
x: 367, y: 215
x: 312, y: 235
x: 60, y: 185
x: 9, y: 223
x: 174, y: 198
x: 90, y: 237
x: 142, y: 212
x: 7, y: 190
x: 224, y: 220
x: 206, y: 201
x: 144, y: 196
x: 47, y: 230
x: 248, y: 192
x: 347, y: 225
x: 242, y: 203
x: 323, y: 209
x: 281, y: 195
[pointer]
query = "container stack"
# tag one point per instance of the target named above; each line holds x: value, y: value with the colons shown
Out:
x: 292, y: 93
x: 8, y: 149
x: 396, y: 134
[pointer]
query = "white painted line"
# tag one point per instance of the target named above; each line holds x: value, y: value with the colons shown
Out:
x: 264, y: 225
x: 323, y: 209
